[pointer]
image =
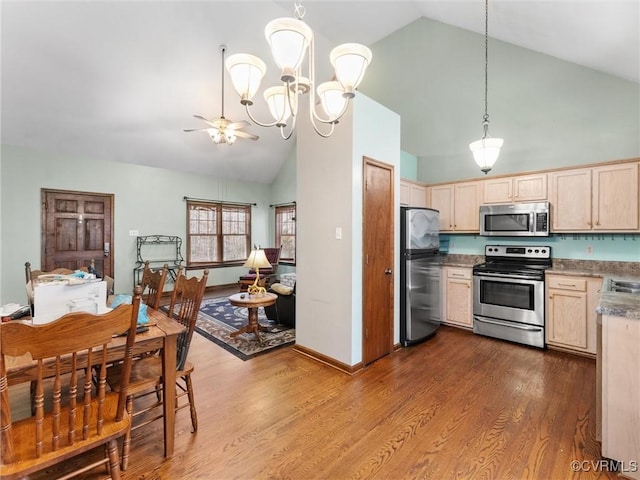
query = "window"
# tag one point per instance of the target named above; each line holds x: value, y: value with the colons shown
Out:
x: 286, y: 232
x: 217, y: 233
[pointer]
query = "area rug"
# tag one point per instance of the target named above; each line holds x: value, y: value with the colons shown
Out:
x: 217, y: 319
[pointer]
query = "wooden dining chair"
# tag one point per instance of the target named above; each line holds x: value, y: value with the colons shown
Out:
x: 152, y: 284
x: 77, y: 417
x: 146, y: 373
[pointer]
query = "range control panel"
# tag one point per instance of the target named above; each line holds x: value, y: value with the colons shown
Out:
x: 536, y: 251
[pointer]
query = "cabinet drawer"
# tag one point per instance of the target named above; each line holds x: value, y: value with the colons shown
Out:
x: 567, y: 283
x: 462, y: 273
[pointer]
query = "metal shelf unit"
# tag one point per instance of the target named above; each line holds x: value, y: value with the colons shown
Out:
x: 170, y: 253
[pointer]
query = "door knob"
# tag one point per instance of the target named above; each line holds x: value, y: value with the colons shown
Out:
x: 388, y: 271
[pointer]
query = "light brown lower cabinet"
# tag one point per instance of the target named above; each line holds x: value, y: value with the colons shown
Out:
x: 457, y: 300
x: 571, y: 312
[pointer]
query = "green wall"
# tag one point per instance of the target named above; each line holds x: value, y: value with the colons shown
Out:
x: 550, y: 112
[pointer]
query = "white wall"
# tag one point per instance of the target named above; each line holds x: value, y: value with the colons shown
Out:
x: 329, y: 271
x: 147, y: 199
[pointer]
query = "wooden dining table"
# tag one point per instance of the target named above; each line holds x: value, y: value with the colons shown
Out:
x: 162, y: 335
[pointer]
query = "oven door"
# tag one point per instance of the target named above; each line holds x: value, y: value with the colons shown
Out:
x: 514, y: 298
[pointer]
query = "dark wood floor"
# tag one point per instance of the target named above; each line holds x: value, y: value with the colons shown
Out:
x: 458, y: 406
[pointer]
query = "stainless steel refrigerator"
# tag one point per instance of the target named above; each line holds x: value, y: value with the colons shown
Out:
x: 419, y: 274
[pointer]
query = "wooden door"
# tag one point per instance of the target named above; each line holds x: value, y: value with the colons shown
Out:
x: 77, y: 228
x: 378, y: 260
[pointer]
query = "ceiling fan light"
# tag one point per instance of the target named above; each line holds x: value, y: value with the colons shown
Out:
x: 332, y: 99
x: 246, y: 72
x: 289, y: 39
x: 350, y: 61
x: 486, y: 151
x: 216, y: 136
x: 230, y: 136
x: 276, y: 98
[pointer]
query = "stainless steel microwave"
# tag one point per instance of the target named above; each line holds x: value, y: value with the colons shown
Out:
x: 515, y: 220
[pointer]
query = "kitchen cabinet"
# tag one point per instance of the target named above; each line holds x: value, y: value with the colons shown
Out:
x: 413, y: 194
x: 603, y: 198
x: 571, y: 312
x: 458, y: 300
x: 523, y: 188
x: 459, y: 205
x: 619, y: 391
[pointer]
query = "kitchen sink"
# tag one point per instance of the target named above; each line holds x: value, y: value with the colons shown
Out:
x: 625, y: 286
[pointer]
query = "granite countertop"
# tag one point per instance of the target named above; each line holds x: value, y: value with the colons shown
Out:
x: 619, y: 304
x: 458, y: 260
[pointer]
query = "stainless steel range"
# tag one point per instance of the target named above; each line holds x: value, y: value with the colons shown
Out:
x: 508, y: 293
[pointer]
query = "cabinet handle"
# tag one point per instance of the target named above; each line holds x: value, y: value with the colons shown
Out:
x: 567, y: 284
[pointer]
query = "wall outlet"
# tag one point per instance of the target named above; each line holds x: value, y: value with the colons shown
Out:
x: 589, y: 249
x: 338, y: 233
x: 452, y: 246
x: 134, y: 233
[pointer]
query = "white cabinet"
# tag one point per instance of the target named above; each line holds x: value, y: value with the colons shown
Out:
x: 601, y: 198
x: 571, y: 312
x: 457, y: 299
x: 523, y: 188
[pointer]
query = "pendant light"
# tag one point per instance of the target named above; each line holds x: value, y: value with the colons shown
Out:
x: 486, y: 150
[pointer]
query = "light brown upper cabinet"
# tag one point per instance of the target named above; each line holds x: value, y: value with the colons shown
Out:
x: 458, y: 205
x: 523, y: 188
x: 601, y: 198
x: 413, y: 194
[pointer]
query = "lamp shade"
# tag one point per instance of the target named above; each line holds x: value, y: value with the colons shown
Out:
x: 350, y: 60
x: 289, y: 39
x: 246, y: 73
x: 257, y: 259
x: 276, y: 98
x: 486, y: 151
x: 332, y: 99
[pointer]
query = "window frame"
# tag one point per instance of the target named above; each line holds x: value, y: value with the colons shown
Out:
x: 218, y: 208
x: 279, y: 212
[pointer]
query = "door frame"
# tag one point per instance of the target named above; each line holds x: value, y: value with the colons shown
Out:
x: 367, y: 161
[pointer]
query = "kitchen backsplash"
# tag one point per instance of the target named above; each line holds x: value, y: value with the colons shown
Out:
x: 610, y: 247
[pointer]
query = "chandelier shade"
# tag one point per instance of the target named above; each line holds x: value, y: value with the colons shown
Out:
x: 332, y: 99
x: 350, y: 61
x: 246, y: 73
x: 291, y: 41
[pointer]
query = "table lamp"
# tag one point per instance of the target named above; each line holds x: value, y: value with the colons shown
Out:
x: 257, y: 260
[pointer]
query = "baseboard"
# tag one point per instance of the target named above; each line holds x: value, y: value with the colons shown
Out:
x: 332, y: 362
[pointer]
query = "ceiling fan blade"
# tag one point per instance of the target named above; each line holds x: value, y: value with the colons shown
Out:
x: 240, y: 124
x: 206, y: 120
x: 250, y: 136
x: 197, y: 129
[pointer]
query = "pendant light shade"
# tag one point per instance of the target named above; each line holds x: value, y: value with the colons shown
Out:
x: 278, y: 102
x: 350, y: 61
x: 486, y: 150
x: 332, y: 99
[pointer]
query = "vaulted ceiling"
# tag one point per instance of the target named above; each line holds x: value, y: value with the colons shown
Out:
x: 120, y: 80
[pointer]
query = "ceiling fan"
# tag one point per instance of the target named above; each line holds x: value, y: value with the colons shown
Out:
x: 223, y: 130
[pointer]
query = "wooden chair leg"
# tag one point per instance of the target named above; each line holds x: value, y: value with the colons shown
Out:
x: 192, y: 404
x: 126, y: 442
x: 114, y: 460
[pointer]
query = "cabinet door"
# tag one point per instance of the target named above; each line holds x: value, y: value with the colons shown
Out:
x: 466, y: 207
x: 615, y: 197
x: 442, y: 200
x: 567, y: 318
x: 405, y: 193
x: 459, y: 302
x: 530, y: 188
x: 418, y: 195
x: 570, y: 198
x: 498, y: 190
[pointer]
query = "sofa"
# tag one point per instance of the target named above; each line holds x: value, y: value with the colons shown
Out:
x: 284, y: 310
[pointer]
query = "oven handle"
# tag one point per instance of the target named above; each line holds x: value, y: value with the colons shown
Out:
x: 507, y: 276
x: 528, y: 328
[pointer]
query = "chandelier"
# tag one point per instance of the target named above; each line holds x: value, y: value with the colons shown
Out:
x: 289, y: 39
x: 486, y: 150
